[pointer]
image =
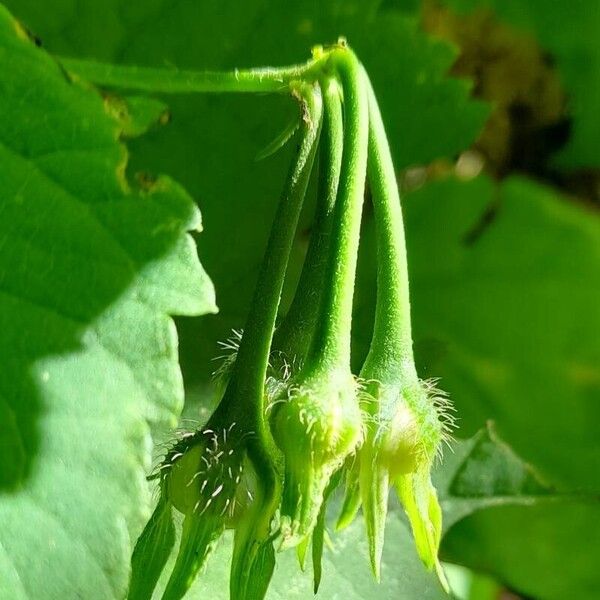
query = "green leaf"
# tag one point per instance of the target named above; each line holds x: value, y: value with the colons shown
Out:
x: 496, y: 508
x: 569, y: 31
x: 90, y: 267
x: 483, y: 472
x: 547, y: 550
x: 408, y: 69
x: 497, y: 312
x: 139, y: 113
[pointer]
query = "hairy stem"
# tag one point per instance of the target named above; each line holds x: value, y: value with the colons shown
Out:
x: 175, y: 81
x: 391, y: 351
x: 294, y: 334
x: 244, y: 393
x: 331, y: 345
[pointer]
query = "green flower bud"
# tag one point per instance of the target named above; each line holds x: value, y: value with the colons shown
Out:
x: 202, y: 471
x: 199, y: 477
x: 316, y: 425
x: 406, y: 425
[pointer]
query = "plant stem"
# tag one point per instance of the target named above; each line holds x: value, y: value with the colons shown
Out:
x: 331, y: 345
x: 186, y: 81
x: 391, y: 350
x: 244, y: 393
x: 294, y: 334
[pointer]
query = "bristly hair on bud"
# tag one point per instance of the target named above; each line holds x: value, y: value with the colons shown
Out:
x: 316, y: 425
x: 225, y: 361
x: 199, y: 476
x: 201, y: 472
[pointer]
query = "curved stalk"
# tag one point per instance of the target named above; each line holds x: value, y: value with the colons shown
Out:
x: 404, y: 430
x: 331, y: 344
x: 294, y: 334
x: 246, y: 386
x: 244, y: 396
x: 390, y: 354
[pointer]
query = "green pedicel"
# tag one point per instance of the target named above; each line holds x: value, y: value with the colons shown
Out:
x: 200, y: 475
x: 316, y: 421
x: 405, y: 426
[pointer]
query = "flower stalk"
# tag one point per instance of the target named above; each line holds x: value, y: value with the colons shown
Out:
x: 290, y: 441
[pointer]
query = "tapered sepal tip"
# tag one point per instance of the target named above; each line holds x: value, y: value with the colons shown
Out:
x: 301, y: 551
x: 420, y: 502
x: 151, y: 552
x: 374, y: 484
x: 439, y: 570
x: 352, y: 500
x: 198, y: 538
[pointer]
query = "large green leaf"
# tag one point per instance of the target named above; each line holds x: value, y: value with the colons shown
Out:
x: 237, y: 193
x: 547, y: 551
x: 90, y: 266
x: 503, y: 519
x: 506, y: 313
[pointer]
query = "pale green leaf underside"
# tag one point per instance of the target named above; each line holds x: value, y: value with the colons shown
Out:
x: 484, y: 472
x: 90, y: 268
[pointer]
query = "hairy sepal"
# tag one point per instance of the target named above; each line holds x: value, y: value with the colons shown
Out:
x: 404, y: 430
x: 419, y: 499
x: 199, y: 477
x: 316, y: 425
x: 253, y: 559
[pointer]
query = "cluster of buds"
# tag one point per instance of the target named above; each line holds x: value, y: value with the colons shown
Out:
x: 293, y: 418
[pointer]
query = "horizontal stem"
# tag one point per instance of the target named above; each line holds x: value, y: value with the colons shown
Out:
x: 175, y: 81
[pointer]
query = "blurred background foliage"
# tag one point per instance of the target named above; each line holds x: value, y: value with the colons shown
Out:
x: 492, y: 112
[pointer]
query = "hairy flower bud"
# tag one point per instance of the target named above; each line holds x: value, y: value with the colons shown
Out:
x: 199, y: 477
x: 316, y: 425
x: 406, y: 425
